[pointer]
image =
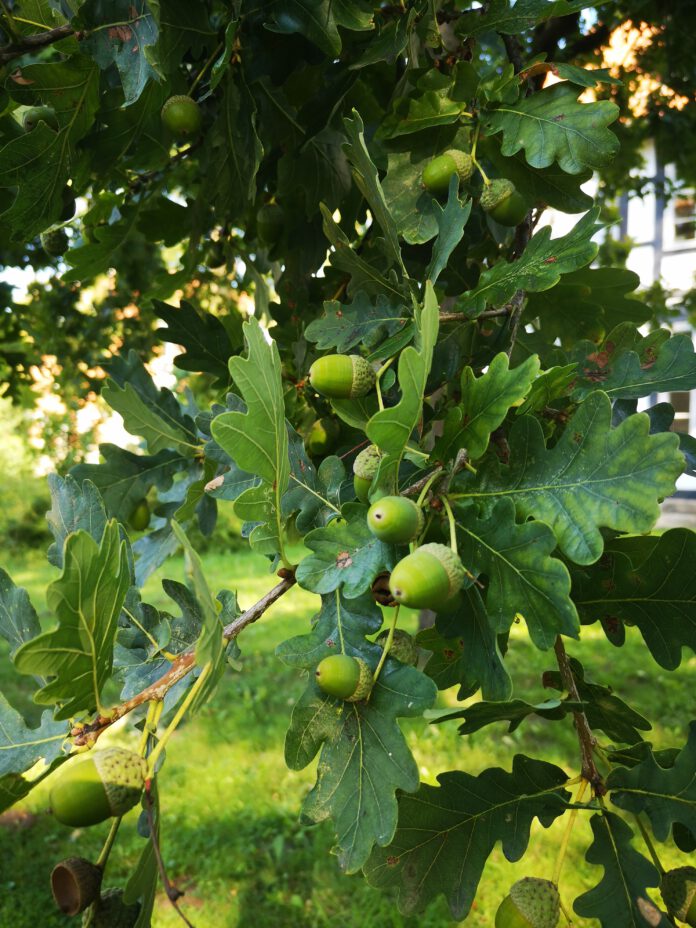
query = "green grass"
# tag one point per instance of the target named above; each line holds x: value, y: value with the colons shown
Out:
x: 231, y: 834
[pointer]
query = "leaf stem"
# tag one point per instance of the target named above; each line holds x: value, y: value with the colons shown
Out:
x: 205, y: 67
x: 176, y: 721
x: 109, y: 843
x: 649, y: 844
x: 563, y: 850
x: 429, y: 482
x: 387, y: 644
x: 452, y: 524
x: 483, y: 174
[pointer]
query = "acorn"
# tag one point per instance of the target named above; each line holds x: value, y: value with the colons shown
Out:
x: 112, y: 912
x: 75, y: 884
x: 36, y: 114
x: 364, y: 469
x: 403, y: 646
x: 68, y: 204
x: 96, y: 786
x: 322, y: 436
x: 395, y: 520
x: 270, y: 220
x: 140, y: 516
x: 501, y: 200
x: 182, y: 115
x: 438, y: 172
x: 345, y: 677
x: 55, y: 242
x: 427, y: 578
x: 531, y: 903
x: 678, y: 890
x: 342, y: 376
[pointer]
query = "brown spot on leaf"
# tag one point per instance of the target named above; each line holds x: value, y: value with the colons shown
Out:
x: 18, y: 79
x: 551, y: 260
x: 344, y: 560
x: 120, y: 33
x: 392, y: 861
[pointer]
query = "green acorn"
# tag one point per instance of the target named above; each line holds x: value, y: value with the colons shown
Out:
x: 68, y: 204
x: 36, y: 114
x: 531, y: 903
x: 403, y: 646
x: 395, y: 519
x: 322, y: 436
x: 342, y: 376
x: 75, y: 884
x: 54, y: 242
x: 427, y: 578
x: 503, y: 203
x: 364, y: 469
x: 678, y: 890
x: 270, y: 221
x: 140, y: 516
x: 182, y: 115
x: 215, y: 254
x: 112, y: 912
x: 437, y: 173
x: 96, y: 786
x: 345, y: 677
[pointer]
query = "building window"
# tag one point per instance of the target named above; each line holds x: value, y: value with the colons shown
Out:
x: 685, y: 217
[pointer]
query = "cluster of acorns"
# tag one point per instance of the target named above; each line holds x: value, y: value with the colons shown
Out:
x: 500, y: 198
x: 91, y: 789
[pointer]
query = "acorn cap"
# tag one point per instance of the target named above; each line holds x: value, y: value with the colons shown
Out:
x: 494, y: 193
x: 450, y: 561
x: 367, y: 462
x: 538, y: 901
x: 403, y: 646
x: 112, y: 912
x: 678, y: 890
x: 463, y: 162
x: 364, y: 376
x: 54, y: 242
x: 75, y: 884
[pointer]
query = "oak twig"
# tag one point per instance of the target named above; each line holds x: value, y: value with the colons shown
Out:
x: 585, y: 736
x: 30, y: 43
x: 183, y: 664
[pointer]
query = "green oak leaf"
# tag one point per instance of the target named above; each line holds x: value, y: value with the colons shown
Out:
x: 540, y: 267
x: 428, y: 107
x: 484, y: 405
x: 522, y: 575
x: 21, y: 747
x: 345, y: 554
x: 467, y: 815
x: 552, y: 125
x: 77, y: 655
x: 584, y: 77
x: 343, y: 326
x: 367, y: 179
x: 123, y: 478
x: 629, y: 366
x: 257, y: 440
x: 594, y: 476
x: 318, y: 170
x: 207, y: 343
x: 620, y: 900
x: 313, y: 19
x: 646, y: 582
x: 89, y: 260
x: 160, y: 422
x: 18, y: 619
x: 466, y: 651
x: 450, y: 223
x: 143, y: 880
x: 501, y: 16
x: 552, y: 384
x: 390, y: 429
x: 123, y: 33
x: 667, y: 795
x: 74, y: 506
x: 516, y: 711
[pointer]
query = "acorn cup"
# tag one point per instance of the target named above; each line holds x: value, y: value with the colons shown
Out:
x: 97, y: 786
x: 678, y: 890
x: 503, y: 203
x: 54, y: 242
x: 75, y: 884
x: 531, y: 903
x: 395, y: 519
x: 342, y: 376
x: 364, y: 469
x: 403, y: 646
x: 427, y: 578
x: 112, y: 912
x: 344, y: 677
x: 438, y: 172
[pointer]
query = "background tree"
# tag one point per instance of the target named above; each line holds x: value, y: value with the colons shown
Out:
x: 375, y: 178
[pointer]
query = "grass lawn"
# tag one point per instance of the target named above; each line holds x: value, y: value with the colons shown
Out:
x: 231, y: 835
